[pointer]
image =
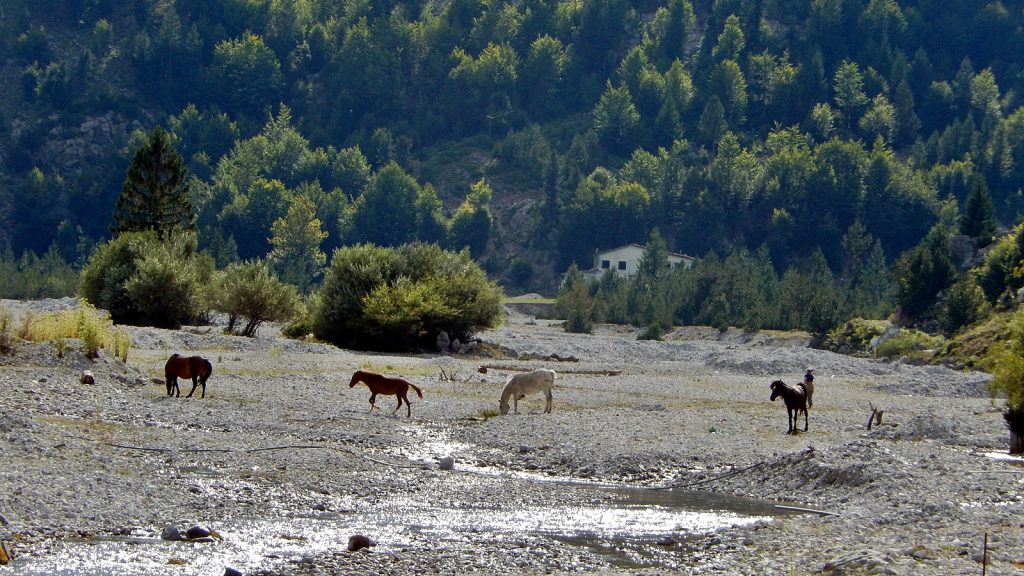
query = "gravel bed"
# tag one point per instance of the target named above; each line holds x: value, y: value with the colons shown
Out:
x: 280, y: 433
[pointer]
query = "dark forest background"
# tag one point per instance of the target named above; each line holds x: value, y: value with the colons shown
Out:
x: 874, y: 145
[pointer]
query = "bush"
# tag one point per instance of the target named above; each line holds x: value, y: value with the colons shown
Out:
x: 575, y: 302
x: 965, y: 305
x: 166, y: 289
x: 250, y: 291
x: 142, y: 280
x: 401, y: 298
x: 854, y: 336
x: 909, y: 343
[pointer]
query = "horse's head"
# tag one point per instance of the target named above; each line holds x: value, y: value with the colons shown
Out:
x: 355, y: 378
x: 503, y: 406
x: 777, y: 388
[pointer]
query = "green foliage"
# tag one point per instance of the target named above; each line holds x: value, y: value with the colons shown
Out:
x: 854, y: 336
x: 471, y: 224
x: 575, y: 302
x: 839, y: 111
x: 1008, y: 371
x: 168, y: 288
x: 394, y: 210
x: 245, y: 75
x: 616, y: 120
x: 965, y: 304
x: 979, y: 216
x: 32, y: 277
x: 250, y: 292
x: 913, y: 344
x: 142, y: 280
x: 296, y: 256
x: 381, y: 298
x: 154, y: 195
x: 922, y: 273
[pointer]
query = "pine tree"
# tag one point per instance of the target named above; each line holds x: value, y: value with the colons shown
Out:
x: 154, y: 195
x: 979, y: 218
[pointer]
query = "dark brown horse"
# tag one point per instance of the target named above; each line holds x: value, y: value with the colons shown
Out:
x: 195, y: 367
x: 386, y: 385
x: 796, y: 401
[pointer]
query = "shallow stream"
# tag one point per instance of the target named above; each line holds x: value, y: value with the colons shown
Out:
x: 625, y: 526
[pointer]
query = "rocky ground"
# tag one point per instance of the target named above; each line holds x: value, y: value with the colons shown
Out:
x: 284, y: 456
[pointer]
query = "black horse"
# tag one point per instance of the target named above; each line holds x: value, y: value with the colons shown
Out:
x: 796, y: 401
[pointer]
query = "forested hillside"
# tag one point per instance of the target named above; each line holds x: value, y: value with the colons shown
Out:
x: 531, y: 131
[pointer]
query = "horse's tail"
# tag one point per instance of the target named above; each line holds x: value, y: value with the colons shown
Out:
x: 209, y: 367
x: 413, y: 386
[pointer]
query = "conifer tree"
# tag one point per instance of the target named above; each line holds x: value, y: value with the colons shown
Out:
x: 979, y: 218
x: 154, y: 195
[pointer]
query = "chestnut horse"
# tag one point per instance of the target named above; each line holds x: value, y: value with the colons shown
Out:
x: 195, y: 367
x: 796, y: 402
x: 386, y: 385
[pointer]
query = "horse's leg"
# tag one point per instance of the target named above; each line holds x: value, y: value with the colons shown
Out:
x: 515, y: 403
x: 408, y: 406
x: 373, y: 400
x: 805, y: 419
x: 399, y: 396
x: 547, y: 405
x: 195, y: 383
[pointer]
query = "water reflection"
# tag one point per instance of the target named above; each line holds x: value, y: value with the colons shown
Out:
x: 626, y: 526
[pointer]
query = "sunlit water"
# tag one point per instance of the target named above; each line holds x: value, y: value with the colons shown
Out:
x: 626, y: 528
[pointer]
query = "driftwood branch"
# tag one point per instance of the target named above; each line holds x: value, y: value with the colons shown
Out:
x: 811, y: 510
x: 876, y: 416
x: 483, y: 370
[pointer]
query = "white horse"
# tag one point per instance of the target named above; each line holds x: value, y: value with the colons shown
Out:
x: 519, y: 385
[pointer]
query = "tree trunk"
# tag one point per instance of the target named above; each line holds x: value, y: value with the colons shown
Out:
x: 1016, y: 443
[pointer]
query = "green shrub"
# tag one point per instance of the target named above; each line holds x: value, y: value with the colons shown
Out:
x: 965, y: 305
x: 401, y: 298
x: 142, y: 280
x: 651, y: 332
x: 167, y: 289
x: 909, y: 343
x: 252, y: 292
x: 854, y: 336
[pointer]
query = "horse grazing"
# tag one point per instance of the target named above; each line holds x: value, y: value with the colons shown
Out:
x: 387, y: 385
x: 796, y: 402
x: 519, y: 385
x: 195, y: 367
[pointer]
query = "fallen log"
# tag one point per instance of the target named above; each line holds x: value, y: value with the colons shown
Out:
x: 484, y: 368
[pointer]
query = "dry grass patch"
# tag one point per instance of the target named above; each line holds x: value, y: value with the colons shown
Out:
x: 94, y: 329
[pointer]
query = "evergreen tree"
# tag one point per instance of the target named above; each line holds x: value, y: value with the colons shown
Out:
x: 979, y: 217
x: 296, y: 239
x: 154, y: 195
x: 576, y: 303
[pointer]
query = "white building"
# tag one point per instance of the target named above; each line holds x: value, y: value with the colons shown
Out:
x: 625, y: 260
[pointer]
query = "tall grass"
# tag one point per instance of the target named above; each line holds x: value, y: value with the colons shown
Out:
x: 95, y: 330
x: 5, y: 330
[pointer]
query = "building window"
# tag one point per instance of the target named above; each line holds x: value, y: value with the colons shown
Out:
x: 622, y: 264
x: 605, y: 264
